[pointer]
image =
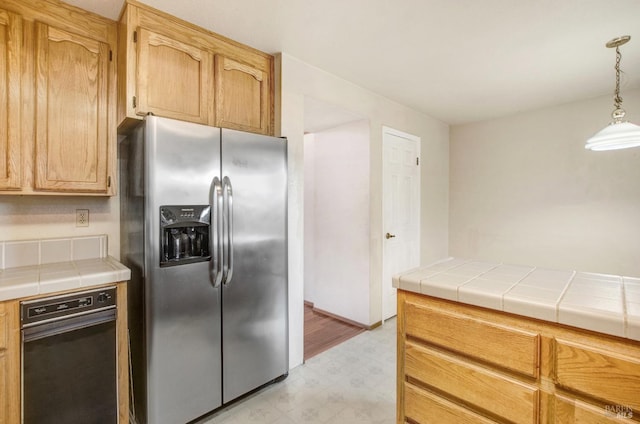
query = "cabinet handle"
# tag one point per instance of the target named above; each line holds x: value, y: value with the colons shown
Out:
x: 389, y: 235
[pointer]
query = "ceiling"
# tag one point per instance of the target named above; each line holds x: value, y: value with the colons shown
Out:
x: 459, y: 61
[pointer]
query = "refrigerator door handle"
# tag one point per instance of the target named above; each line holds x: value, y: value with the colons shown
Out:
x: 227, y: 237
x: 217, y: 254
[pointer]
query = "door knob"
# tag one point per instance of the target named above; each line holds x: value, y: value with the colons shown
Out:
x: 389, y: 235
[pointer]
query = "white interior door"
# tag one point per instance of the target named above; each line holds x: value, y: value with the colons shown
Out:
x: 401, y: 210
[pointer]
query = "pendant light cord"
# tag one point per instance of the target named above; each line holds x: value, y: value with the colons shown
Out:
x: 618, y: 112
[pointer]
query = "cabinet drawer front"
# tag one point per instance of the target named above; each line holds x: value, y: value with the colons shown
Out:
x: 575, y: 411
x: 499, y: 395
x: 424, y: 407
x: 475, y: 338
x: 611, y: 378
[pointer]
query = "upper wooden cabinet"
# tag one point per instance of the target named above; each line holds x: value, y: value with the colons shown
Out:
x: 10, y: 54
x: 72, y: 80
x: 172, y: 68
x: 243, y: 96
x: 57, y: 78
x: 173, y: 78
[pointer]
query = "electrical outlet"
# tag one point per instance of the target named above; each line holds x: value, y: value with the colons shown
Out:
x: 82, y: 217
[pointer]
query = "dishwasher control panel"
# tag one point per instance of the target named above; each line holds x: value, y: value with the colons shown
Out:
x: 58, y: 307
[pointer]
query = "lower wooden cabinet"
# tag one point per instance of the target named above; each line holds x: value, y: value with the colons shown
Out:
x: 9, y: 362
x: 464, y: 364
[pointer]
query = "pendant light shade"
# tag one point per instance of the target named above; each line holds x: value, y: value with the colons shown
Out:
x: 618, y: 134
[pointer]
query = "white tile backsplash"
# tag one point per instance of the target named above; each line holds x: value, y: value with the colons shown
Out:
x: 55, y: 250
x: 88, y: 248
x: 21, y: 253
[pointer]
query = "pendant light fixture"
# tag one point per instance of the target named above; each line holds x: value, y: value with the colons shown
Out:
x: 618, y: 134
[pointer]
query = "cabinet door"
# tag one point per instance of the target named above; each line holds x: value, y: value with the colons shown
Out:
x: 173, y: 78
x: 569, y: 410
x: 607, y: 376
x: 242, y: 97
x: 9, y: 363
x: 10, y: 44
x: 72, y: 83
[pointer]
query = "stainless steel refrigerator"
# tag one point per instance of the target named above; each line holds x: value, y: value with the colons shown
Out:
x: 203, y: 229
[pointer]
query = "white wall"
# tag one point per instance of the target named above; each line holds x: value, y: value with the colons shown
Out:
x: 524, y: 190
x: 39, y: 217
x: 309, y: 218
x: 298, y: 80
x: 337, y: 259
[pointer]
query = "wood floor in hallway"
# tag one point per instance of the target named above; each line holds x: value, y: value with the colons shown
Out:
x: 322, y: 332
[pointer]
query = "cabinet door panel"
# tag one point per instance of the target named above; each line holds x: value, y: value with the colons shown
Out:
x: 4, y: 397
x: 9, y: 363
x: 71, y: 122
x: 10, y: 45
x: 600, y: 374
x: 242, y: 96
x: 173, y: 78
x: 569, y: 410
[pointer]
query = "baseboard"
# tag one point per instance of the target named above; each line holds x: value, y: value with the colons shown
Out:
x: 343, y: 319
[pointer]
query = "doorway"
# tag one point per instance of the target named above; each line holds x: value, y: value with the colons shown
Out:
x: 401, y: 210
x: 336, y: 225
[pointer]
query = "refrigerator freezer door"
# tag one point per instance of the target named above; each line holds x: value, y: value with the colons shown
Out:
x: 255, y: 332
x: 182, y: 304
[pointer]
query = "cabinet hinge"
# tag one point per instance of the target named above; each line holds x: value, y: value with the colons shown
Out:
x: 110, y: 55
x: 134, y: 102
x: 109, y: 181
x: 417, y: 161
x: 135, y: 36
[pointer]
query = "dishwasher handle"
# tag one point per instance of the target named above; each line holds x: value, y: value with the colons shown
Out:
x: 66, y: 325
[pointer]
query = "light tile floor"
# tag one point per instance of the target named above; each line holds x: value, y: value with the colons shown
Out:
x: 352, y: 383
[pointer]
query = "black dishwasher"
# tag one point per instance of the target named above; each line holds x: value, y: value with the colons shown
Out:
x: 69, y: 359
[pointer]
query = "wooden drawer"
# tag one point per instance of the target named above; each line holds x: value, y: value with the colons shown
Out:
x: 611, y: 378
x: 424, y: 407
x: 499, y: 395
x: 574, y: 411
x: 475, y: 338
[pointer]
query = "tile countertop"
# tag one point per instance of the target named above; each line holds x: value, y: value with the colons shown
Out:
x: 35, y: 267
x: 607, y: 304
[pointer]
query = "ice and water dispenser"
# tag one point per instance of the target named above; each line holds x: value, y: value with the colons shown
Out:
x: 185, y: 234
